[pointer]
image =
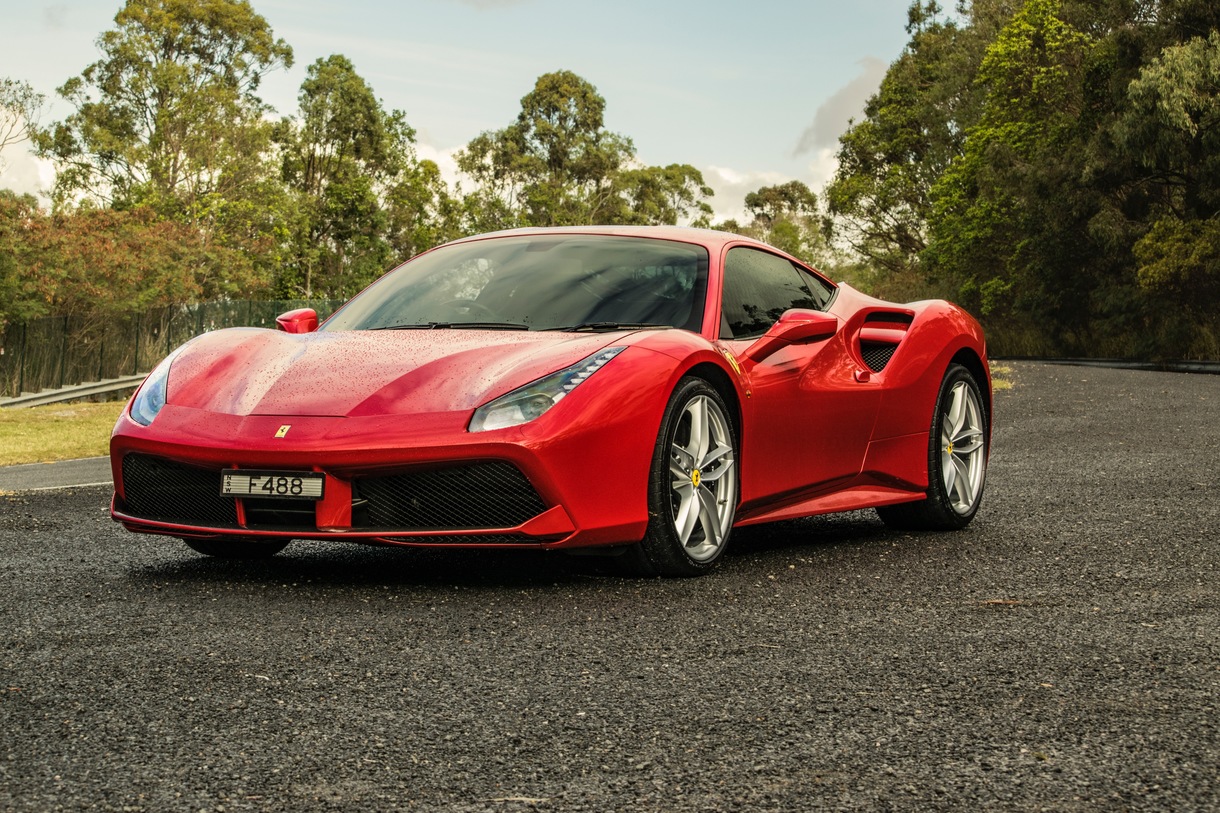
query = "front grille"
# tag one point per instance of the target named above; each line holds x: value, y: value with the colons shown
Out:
x: 165, y: 491
x: 877, y: 354
x: 478, y: 495
x: 473, y: 539
x: 280, y: 514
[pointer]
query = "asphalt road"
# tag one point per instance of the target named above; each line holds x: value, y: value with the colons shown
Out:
x: 1062, y: 653
x: 88, y: 471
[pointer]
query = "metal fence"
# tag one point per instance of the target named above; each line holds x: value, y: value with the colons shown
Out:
x: 60, y: 351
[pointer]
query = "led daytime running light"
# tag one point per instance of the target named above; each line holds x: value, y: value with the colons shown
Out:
x: 527, y: 403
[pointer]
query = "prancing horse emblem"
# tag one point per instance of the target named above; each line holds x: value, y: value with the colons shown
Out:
x: 283, y: 430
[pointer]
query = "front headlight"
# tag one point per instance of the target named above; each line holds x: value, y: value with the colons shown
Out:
x: 531, y: 401
x: 151, y: 396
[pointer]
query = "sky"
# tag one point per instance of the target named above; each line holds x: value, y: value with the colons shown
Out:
x: 751, y: 94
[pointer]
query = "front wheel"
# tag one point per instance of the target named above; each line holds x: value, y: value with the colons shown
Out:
x: 237, y: 548
x: 957, y: 460
x: 692, y: 486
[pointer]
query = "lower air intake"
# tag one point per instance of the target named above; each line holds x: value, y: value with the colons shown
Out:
x: 480, y: 495
x: 165, y: 491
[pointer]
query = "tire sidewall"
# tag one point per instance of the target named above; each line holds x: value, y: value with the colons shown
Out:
x: 661, y: 546
x: 937, y: 496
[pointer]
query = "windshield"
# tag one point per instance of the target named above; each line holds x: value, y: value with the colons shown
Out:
x: 551, y: 282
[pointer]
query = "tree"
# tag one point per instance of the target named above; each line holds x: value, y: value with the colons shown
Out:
x: 996, y: 195
x: 556, y: 165
x: 786, y: 216
x: 363, y: 199
x: 92, y: 264
x: 20, y: 108
x: 879, y: 201
x: 1172, y: 129
x: 170, y: 115
x: 651, y: 195
x: 19, y: 300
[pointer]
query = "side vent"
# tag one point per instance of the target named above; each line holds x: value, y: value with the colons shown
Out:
x: 880, y: 336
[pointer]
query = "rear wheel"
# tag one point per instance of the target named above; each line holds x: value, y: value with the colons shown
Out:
x: 957, y: 460
x: 692, y: 487
x: 237, y: 548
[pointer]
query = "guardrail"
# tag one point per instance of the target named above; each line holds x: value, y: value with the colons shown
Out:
x: 74, y: 393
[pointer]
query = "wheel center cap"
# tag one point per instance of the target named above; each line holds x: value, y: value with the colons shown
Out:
x: 949, y: 449
x: 695, y: 477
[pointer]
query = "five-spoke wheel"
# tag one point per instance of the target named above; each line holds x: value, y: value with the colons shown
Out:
x: 692, y: 494
x: 963, y: 452
x: 957, y: 459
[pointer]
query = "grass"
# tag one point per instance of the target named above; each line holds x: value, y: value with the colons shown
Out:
x: 56, y: 432
x: 1000, y: 377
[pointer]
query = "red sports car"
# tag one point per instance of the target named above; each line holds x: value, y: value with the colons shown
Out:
x: 639, y: 390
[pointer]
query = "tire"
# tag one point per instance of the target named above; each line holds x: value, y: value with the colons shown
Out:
x: 692, y: 486
x: 957, y: 460
x: 237, y: 548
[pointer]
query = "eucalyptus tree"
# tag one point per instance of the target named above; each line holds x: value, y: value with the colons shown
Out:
x: 20, y: 108
x: 557, y: 165
x: 363, y: 198
x: 170, y: 117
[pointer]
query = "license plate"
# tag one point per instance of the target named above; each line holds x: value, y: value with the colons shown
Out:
x: 284, y: 485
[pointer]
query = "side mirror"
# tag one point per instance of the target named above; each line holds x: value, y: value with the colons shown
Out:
x: 796, y: 326
x: 302, y: 320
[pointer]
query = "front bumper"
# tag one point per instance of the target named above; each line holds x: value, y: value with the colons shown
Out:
x: 581, y: 470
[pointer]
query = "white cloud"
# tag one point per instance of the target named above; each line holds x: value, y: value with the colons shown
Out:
x: 25, y: 173
x: 55, y: 16
x: 847, y: 103
x: 822, y: 167
x: 731, y: 187
x: 445, y: 159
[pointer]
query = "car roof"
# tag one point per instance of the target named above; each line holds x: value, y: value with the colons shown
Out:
x: 711, y: 238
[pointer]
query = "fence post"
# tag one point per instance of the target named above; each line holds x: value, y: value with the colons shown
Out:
x: 63, y: 353
x: 25, y: 326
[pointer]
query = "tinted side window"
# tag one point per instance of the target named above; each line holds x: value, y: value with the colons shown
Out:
x: 822, y: 292
x: 758, y: 287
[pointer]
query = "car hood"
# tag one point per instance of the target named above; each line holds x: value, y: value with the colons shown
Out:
x: 253, y: 371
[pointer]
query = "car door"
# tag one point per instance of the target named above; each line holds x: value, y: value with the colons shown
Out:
x: 808, y: 419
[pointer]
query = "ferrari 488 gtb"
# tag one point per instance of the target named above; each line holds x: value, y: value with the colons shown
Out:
x: 641, y: 390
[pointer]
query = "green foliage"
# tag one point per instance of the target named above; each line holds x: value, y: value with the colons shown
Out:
x: 169, y: 119
x: 1171, y: 133
x: 1054, y: 165
x: 1051, y: 164
x: 362, y: 200
x: 169, y: 114
x: 93, y: 263
x: 19, y: 298
x: 787, y: 217
x: 880, y: 199
x: 557, y: 165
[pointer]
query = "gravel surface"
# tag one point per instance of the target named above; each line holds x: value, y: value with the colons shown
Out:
x: 1062, y: 653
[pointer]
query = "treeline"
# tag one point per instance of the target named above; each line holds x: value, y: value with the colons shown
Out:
x: 1053, y: 165
x: 175, y: 181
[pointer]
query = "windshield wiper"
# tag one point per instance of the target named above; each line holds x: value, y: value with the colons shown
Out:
x: 601, y: 327
x: 457, y: 325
